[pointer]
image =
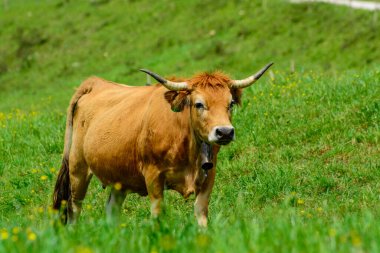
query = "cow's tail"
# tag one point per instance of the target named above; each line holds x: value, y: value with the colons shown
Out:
x: 62, y: 191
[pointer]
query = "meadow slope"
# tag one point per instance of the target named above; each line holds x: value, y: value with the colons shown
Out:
x: 303, y: 174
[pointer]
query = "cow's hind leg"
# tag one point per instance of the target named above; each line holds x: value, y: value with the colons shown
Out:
x: 114, y: 204
x: 80, y: 177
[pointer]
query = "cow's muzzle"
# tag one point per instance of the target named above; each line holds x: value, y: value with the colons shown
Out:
x: 222, y: 135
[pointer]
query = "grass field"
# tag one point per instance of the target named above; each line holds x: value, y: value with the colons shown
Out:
x: 303, y: 174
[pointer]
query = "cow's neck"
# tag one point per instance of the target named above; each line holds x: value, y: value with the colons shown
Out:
x: 195, y: 145
x: 195, y: 148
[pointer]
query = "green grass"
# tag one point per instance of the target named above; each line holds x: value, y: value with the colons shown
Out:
x: 303, y: 174
x: 50, y: 46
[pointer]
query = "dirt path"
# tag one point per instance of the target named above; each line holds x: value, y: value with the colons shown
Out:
x: 372, y: 6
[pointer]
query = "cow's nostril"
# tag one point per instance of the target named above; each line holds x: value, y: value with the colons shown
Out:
x: 218, y: 132
x: 232, y: 133
x: 225, y: 133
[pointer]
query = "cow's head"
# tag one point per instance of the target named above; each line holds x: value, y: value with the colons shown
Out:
x: 210, y: 98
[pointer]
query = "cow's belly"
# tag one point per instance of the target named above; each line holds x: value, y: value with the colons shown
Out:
x: 129, y: 180
x: 186, y: 182
x: 113, y: 160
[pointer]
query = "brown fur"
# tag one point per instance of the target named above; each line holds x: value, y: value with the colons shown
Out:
x: 210, y: 80
x: 130, y: 135
x: 215, y: 80
x: 62, y: 192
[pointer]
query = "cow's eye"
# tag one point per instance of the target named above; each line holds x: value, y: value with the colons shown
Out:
x: 199, y: 105
x: 231, y: 105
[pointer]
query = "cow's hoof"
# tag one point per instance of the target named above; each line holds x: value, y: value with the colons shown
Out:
x: 202, y: 222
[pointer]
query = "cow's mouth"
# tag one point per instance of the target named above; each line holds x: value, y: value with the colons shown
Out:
x: 223, y: 141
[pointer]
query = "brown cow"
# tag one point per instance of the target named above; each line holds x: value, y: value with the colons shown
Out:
x: 143, y: 139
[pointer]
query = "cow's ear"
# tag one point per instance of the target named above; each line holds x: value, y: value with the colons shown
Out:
x: 236, y: 95
x: 176, y: 99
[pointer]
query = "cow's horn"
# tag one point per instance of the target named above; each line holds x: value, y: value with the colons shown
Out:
x: 168, y: 84
x: 250, y: 80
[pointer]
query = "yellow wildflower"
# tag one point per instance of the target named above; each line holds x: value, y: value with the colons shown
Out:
x: 34, y: 171
x: 355, y: 239
x: 32, y: 236
x: 4, y: 235
x: 82, y: 249
x: 117, y: 186
x: 300, y: 202
x: 52, y: 170
x: 15, y: 230
x: 51, y: 210
x: 153, y: 250
x: 43, y: 177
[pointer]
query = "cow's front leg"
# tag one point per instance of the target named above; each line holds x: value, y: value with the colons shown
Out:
x: 155, y: 182
x: 115, y: 203
x: 203, y: 198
